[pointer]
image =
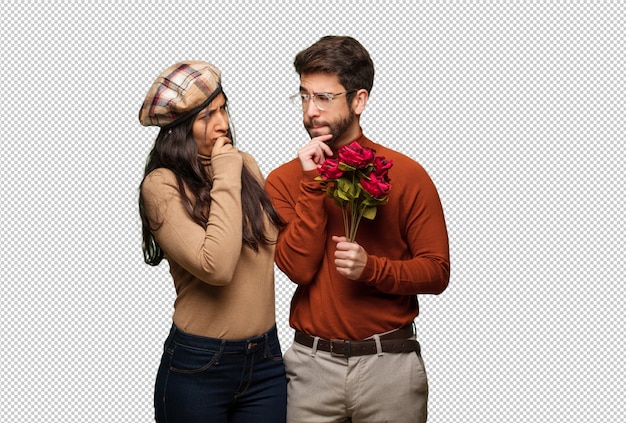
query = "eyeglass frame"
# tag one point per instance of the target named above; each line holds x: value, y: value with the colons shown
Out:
x: 308, y: 97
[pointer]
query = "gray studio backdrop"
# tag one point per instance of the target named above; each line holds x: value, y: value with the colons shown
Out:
x: 516, y: 109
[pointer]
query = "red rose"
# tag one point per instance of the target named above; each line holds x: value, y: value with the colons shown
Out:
x: 375, y: 186
x: 381, y: 167
x: 330, y: 169
x: 358, y: 181
x: 356, y: 155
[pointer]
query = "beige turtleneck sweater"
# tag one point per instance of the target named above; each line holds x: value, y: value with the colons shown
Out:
x: 224, y: 288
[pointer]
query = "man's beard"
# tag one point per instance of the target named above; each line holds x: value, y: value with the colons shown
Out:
x: 337, y: 128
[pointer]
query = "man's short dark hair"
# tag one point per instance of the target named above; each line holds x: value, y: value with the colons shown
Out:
x: 341, y: 56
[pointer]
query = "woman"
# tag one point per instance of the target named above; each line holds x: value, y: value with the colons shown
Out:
x: 203, y: 208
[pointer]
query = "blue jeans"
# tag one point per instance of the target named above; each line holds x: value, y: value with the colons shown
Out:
x: 204, y: 379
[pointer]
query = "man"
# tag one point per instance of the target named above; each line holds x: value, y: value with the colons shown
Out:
x: 355, y: 354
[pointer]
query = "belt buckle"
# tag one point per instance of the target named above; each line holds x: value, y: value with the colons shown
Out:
x: 346, y: 349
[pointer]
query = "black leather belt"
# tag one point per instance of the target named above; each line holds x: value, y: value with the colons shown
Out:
x: 392, y: 342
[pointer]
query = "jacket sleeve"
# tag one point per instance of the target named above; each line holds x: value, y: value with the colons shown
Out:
x: 211, y: 255
x: 427, y: 270
x: 301, y: 242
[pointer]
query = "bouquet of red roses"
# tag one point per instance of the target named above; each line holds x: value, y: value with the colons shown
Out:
x: 358, y: 181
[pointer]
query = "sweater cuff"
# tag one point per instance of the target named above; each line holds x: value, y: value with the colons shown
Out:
x: 227, y: 163
x: 310, y: 175
x: 367, y: 277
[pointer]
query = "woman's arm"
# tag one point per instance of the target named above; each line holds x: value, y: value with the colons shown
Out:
x: 212, y: 254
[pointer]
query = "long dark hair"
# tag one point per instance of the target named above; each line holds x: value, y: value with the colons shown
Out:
x: 175, y: 149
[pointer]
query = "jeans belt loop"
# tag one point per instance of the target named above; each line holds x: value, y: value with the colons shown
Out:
x: 220, y: 352
x: 267, y: 352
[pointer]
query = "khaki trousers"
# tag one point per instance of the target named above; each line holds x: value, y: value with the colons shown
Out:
x: 374, y: 388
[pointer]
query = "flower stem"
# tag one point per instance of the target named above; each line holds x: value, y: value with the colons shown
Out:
x: 356, y: 224
x: 353, y: 221
x: 346, y: 224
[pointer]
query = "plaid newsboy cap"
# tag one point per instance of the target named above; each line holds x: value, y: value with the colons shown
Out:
x: 178, y: 91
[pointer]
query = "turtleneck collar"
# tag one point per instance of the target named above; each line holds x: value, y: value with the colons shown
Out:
x: 205, y: 160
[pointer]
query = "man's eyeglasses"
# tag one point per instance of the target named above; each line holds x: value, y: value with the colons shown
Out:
x: 323, y: 101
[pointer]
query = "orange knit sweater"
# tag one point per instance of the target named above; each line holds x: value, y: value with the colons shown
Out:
x: 407, y: 246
